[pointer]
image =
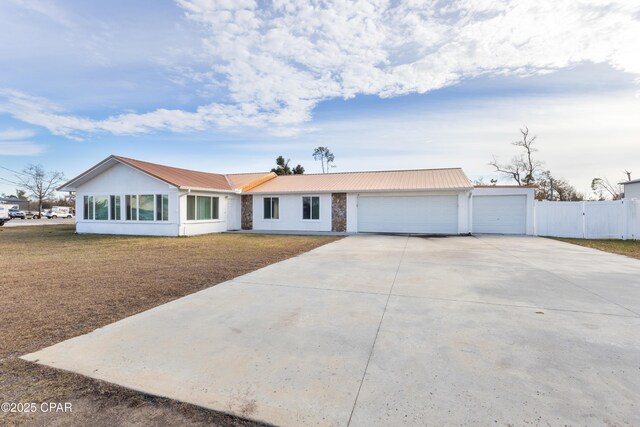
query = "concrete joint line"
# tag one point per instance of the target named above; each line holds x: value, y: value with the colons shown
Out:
x: 516, y: 306
x: 375, y: 338
x: 245, y: 282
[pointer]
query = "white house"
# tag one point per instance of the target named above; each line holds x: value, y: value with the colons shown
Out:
x: 632, y: 189
x: 127, y: 196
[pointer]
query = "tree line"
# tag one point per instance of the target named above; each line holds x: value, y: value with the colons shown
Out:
x: 525, y: 169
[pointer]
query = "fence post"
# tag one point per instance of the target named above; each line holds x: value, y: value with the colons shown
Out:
x: 584, y: 220
x: 624, y: 220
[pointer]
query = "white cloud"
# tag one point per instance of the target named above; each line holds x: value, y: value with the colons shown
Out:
x: 277, y: 61
x: 20, y: 148
x: 15, y: 134
x: 13, y: 142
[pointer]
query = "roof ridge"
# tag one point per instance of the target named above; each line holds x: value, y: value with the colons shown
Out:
x: 378, y: 171
x: 165, y: 166
x: 247, y: 173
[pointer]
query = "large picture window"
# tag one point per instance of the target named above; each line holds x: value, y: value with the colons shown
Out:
x: 311, y: 207
x: 202, y: 208
x: 145, y: 209
x: 271, y: 208
x: 102, y: 208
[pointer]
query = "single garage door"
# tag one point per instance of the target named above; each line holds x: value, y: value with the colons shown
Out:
x: 408, y: 214
x: 500, y: 214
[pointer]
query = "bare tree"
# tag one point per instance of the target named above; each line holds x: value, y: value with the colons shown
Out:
x: 40, y: 183
x: 603, y: 188
x: 325, y: 156
x: 628, y: 173
x: 523, y: 168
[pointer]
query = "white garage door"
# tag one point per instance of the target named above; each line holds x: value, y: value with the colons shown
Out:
x: 408, y: 214
x: 500, y: 214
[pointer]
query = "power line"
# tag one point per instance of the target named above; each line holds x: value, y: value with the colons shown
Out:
x: 11, y: 170
x: 9, y: 181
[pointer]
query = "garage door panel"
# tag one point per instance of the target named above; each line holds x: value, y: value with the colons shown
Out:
x: 408, y: 214
x: 500, y: 214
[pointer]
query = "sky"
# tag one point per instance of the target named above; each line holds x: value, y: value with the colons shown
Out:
x: 228, y: 85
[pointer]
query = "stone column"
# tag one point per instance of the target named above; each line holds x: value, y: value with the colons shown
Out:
x: 246, y: 207
x: 339, y: 212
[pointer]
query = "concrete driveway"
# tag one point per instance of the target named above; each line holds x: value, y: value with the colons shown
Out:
x: 390, y: 330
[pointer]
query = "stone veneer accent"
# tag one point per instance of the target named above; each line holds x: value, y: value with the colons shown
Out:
x: 339, y: 212
x: 246, y: 207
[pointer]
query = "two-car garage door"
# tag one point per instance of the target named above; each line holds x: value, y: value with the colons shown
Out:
x: 408, y: 214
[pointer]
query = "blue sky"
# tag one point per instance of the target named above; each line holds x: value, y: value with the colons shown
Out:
x: 228, y: 86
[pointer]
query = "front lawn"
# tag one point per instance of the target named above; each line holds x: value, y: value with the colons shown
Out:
x: 623, y: 247
x: 56, y: 285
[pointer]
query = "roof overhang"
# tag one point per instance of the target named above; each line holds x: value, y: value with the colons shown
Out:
x: 381, y: 190
x: 208, y: 190
x: 635, y: 181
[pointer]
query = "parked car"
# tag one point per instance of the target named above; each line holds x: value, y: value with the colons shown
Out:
x: 4, y: 213
x: 33, y: 215
x: 16, y: 213
x: 59, y: 212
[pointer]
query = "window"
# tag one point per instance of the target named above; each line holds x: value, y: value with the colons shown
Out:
x: 132, y: 207
x: 202, y: 208
x: 88, y: 207
x: 271, y: 208
x: 102, y: 208
x: 162, y: 207
x: 145, y: 207
x: 311, y: 207
x: 115, y: 208
x: 191, y: 208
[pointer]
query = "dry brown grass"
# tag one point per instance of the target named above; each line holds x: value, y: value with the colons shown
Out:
x: 55, y: 285
x: 629, y: 248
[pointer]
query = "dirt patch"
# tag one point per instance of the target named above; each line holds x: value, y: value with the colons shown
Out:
x: 56, y: 285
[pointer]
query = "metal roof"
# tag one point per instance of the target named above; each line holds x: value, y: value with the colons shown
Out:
x: 263, y: 182
x: 404, y: 180
x: 181, y: 178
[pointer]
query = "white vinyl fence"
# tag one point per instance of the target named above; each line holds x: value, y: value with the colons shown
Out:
x: 619, y: 219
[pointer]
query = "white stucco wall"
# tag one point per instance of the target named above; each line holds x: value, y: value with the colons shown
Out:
x: 632, y: 191
x: 121, y: 180
x: 234, y: 213
x: 510, y: 191
x: 291, y: 213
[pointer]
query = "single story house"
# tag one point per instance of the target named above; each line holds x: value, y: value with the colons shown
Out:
x: 126, y: 196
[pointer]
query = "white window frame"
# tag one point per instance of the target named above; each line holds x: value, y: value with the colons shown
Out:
x: 311, y: 212
x: 196, y: 221
x: 271, y: 197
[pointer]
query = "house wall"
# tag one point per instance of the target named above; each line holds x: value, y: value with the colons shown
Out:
x: 191, y: 228
x: 233, y: 212
x: 291, y: 213
x: 632, y: 191
x: 510, y: 191
x: 121, y: 180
